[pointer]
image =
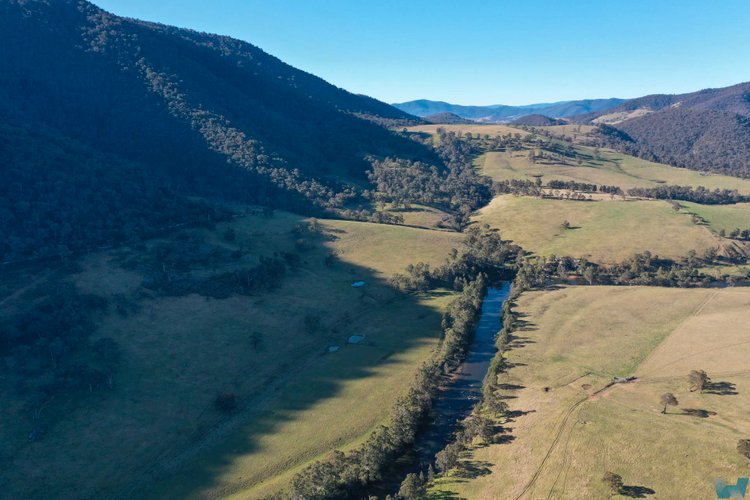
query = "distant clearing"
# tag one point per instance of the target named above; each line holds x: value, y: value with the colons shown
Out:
x: 608, y: 168
x: 564, y: 437
x: 726, y: 217
x: 477, y: 128
x: 602, y: 231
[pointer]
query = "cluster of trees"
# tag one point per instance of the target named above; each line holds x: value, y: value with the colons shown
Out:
x: 521, y: 187
x: 686, y: 193
x: 583, y: 186
x: 641, y: 269
x: 168, y: 265
x: 346, y: 475
x: 455, y: 188
x: 46, y: 349
x: 266, y: 275
x: 484, y: 251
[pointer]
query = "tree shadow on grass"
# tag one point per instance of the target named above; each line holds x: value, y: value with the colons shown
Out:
x: 511, y: 387
x: 471, y: 469
x: 720, y: 388
x: 636, y: 491
x: 311, y: 380
x: 443, y: 495
x: 697, y: 412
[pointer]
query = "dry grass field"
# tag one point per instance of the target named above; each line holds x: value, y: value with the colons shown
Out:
x: 567, y: 427
x: 608, y: 168
x: 473, y: 128
x: 296, y: 401
x: 718, y: 217
x: 602, y: 231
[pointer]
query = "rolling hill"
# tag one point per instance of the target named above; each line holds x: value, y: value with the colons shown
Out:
x: 448, y: 118
x: 192, y: 113
x: 537, y: 121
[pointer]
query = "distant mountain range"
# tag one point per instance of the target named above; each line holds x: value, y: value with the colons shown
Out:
x: 499, y: 113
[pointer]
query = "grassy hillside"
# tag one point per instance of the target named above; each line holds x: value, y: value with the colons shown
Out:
x: 565, y: 432
x: 182, y: 340
x: 602, y: 231
x: 722, y: 217
x: 608, y: 167
x: 491, y: 130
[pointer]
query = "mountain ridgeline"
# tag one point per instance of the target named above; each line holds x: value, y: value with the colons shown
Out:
x: 499, y: 113
x: 97, y: 109
x: 705, y: 130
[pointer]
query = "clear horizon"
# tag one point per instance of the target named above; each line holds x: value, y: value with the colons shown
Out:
x: 476, y: 54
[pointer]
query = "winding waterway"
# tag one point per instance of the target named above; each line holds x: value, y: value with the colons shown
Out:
x: 458, y: 396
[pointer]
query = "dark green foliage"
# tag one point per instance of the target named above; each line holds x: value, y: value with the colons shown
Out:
x: 686, y: 193
x: 699, y: 139
x: 46, y: 348
x: 226, y: 402
x: 411, y: 487
x: 641, y: 269
x: 447, y: 458
x: 106, y: 124
x: 698, y: 380
x: 743, y: 447
x: 58, y: 198
x: 484, y: 252
x: 457, y: 189
x: 343, y: 475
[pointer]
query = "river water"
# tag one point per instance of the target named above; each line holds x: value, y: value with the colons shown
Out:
x: 457, y: 397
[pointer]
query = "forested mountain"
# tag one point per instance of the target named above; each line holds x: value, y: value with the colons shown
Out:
x: 178, y: 110
x: 447, y: 118
x: 537, y: 121
x: 501, y: 113
x: 705, y: 130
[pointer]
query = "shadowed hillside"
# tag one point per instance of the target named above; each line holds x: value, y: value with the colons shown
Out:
x: 198, y: 113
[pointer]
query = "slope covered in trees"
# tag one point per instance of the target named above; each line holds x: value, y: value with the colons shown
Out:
x: 190, y: 112
x: 705, y: 130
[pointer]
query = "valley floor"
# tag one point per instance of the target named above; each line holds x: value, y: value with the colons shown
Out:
x: 156, y: 432
x: 567, y: 425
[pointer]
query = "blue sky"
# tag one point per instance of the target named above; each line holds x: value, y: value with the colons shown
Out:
x: 485, y: 52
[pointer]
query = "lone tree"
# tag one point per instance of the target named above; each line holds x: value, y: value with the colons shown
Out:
x: 614, y: 482
x: 411, y: 487
x: 698, y: 380
x: 668, y: 399
x: 743, y: 447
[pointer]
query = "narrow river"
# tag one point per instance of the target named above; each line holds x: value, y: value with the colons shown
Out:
x: 457, y: 398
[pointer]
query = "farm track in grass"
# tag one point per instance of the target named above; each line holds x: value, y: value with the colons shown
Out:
x: 565, y: 437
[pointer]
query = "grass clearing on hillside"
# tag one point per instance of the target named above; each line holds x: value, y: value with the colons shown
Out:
x: 608, y: 168
x: 603, y: 231
x: 574, y: 341
x: 295, y: 402
x: 718, y: 217
x: 473, y: 128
